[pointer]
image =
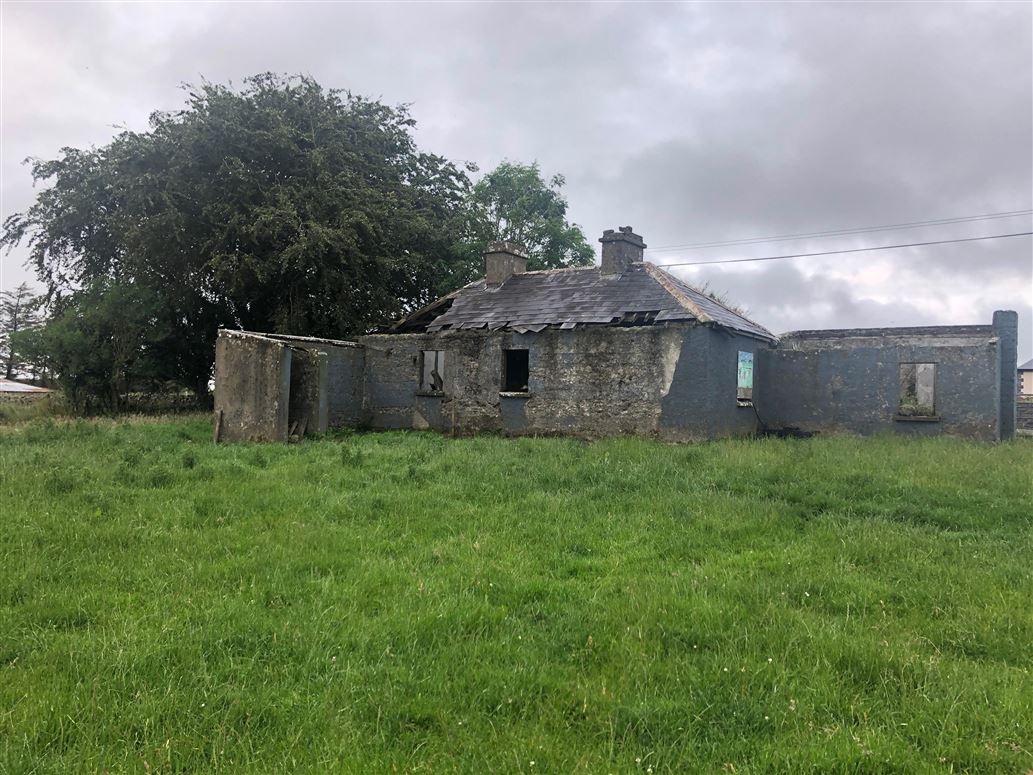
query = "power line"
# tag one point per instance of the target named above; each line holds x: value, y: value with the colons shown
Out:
x: 852, y: 250
x: 838, y: 232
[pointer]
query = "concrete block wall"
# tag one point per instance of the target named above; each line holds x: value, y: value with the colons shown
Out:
x: 848, y: 380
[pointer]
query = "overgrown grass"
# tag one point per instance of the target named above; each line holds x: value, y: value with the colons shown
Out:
x: 409, y: 602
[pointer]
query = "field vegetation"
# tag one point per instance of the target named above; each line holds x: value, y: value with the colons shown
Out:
x: 406, y: 602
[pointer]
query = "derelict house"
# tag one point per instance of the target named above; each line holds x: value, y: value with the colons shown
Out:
x: 622, y: 348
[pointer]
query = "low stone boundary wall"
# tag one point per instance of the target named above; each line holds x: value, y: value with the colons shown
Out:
x: 23, y: 398
x: 1024, y: 415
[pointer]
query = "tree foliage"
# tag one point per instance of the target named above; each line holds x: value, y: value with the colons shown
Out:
x: 19, y: 311
x: 98, y: 342
x: 515, y: 203
x: 280, y: 206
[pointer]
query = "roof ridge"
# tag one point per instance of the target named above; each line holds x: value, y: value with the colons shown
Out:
x: 558, y: 269
x: 664, y: 280
x: 711, y: 298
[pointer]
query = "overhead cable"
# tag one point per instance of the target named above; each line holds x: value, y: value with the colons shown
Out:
x: 838, y: 232
x: 851, y: 250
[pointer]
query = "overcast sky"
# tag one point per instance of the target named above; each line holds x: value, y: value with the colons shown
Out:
x: 692, y: 123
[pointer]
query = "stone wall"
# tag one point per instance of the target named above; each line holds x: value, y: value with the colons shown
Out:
x: 592, y: 382
x: 1024, y: 416
x: 23, y: 397
x: 676, y: 381
x: 848, y: 380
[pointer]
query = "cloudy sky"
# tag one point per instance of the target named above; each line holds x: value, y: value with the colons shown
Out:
x: 693, y: 123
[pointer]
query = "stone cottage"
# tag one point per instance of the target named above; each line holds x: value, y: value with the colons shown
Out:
x: 620, y: 348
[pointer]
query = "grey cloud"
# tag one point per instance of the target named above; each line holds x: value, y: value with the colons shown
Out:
x: 691, y: 122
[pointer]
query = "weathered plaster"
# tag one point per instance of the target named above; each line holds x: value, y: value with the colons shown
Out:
x: 675, y: 380
x: 597, y: 381
x: 252, y: 387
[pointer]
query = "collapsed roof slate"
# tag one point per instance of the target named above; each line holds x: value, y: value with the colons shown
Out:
x: 642, y: 294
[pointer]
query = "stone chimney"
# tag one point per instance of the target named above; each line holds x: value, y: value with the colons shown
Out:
x: 502, y: 260
x: 621, y: 249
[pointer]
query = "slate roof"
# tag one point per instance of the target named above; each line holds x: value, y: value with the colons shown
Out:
x: 1027, y: 366
x: 644, y: 294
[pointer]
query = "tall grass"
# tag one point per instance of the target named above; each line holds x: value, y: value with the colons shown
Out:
x: 406, y: 602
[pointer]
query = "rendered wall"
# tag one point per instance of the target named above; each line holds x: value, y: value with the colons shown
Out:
x: 308, y: 392
x: 344, y: 364
x: 1006, y: 329
x: 702, y: 402
x: 252, y: 387
x: 848, y: 380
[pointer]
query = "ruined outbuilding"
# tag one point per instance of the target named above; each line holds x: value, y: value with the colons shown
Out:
x: 621, y: 348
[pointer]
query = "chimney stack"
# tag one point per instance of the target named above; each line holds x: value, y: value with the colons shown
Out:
x: 502, y: 260
x: 621, y: 249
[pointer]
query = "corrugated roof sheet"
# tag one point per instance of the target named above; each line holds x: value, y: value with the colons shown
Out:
x: 642, y: 295
x: 1027, y: 366
x: 10, y: 386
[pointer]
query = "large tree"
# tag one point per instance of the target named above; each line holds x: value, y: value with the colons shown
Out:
x: 514, y: 202
x: 19, y: 311
x: 281, y: 206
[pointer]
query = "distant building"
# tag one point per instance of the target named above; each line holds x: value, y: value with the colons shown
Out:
x: 1026, y: 378
x: 20, y: 392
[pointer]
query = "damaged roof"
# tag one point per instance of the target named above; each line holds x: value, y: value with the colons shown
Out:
x: 643, y: 294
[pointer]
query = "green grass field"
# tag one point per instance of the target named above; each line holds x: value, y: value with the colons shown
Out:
x: 404, y: 602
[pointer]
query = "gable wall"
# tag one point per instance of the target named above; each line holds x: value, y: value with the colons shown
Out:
x: 252, y: 387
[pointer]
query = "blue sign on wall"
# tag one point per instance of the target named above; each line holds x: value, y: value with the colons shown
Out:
x: 744, y: 383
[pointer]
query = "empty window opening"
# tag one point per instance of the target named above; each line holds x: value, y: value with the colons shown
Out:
x: 514, y: 371
x: 917, y: 390
x: 432, y: 370
x: 744, y: 380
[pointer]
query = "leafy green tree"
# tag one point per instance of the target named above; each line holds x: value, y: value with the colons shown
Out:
x: 19, y: 311
x: 281, y: 206
x: 98, y: 342
x: 515, y: 203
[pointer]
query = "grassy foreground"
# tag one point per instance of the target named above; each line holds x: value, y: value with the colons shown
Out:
x: 412, y: 603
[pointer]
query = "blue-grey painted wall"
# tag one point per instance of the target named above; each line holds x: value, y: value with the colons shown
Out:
x: 345, y: 365
x: 701, y: 402
x: 848, y: 380
x: 1006, y: 328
